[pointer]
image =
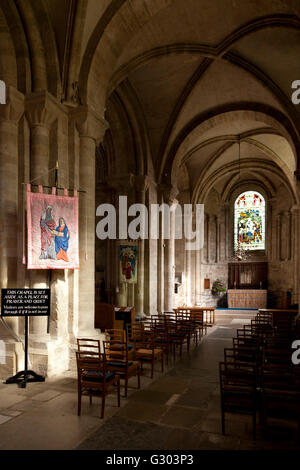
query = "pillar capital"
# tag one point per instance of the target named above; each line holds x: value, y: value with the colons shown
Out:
x: 122, y: 184
x: 142, y: 183
x: 89, y: 123
x: 297, y: 174
x: 14, y: 107
x: 295, y: 209
x: 169, y: 193
x: 42, y: 109
x: 272, y: 201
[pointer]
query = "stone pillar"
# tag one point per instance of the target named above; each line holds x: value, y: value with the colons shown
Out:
x: 41, y: 113
x: 270, y: 230
x: 10, y: 114
x: 188, y: 277
x: 160, y: 261
x: 295, y: 229
x: 142, y: 185
x: 278, y: 237
x: 229, y: 232
x: 121, y: 186
x: 212, y: 236
x: 170, y: 260
x: 91, y: 129
x: 296, y: 233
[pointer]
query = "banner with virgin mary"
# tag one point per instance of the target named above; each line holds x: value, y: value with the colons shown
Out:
x: 52, y: 230
x: 128, y: 263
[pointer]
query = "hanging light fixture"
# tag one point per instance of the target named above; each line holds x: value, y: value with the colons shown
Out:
x: 240, y: 254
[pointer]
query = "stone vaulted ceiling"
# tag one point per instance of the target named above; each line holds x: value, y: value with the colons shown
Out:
x: 185, y: 80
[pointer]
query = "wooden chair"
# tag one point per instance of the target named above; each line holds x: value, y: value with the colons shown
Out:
x: 198, y: 326
x: 179, y: 334
x: 272, y: 356
x: 119, y: 336
x: 118, y: 362
x: 145, y: 350
x: 94, y: 378
x: 284, y: 322
x: 115, y: 334
x: 89, y: 345
x: 161, y: 338
x: 238, y: 390
x: 280, y: 393
x: 243, y: 354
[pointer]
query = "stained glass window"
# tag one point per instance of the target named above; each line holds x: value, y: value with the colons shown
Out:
x: 249, y: 221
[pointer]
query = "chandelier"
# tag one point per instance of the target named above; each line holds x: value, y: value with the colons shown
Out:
x: 239, y: 253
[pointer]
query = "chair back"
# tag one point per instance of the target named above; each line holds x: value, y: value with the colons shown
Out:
x: 116, y: 352
x: 115, y: 334
x: 91, y: 369
x: 89, y: 345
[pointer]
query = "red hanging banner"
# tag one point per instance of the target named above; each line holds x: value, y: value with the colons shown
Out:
x: 52, y: 229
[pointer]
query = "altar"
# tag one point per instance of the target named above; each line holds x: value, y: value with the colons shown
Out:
x: 247, y: 298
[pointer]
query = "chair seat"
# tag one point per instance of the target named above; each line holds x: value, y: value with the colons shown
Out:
x: 148, y: 352
x: 97, y: 376
x: 118, y: 364
x: 130, y: 346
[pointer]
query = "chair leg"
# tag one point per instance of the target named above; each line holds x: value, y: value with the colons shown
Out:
x: 162, y: 362
x: 223, y: 418
x: 254, y: 425
x: 118, y: 394
x: 139, y: 379
x: 79, y: 403
x: 103, y: 406
x: 152, y: 369
x: 90, y: 399
x: 223, y: 424
x: 126, y: 386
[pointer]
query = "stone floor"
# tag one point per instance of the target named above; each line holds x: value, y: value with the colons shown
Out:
x: 177, y: 410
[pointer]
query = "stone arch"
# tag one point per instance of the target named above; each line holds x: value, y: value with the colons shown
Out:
x: 8, y: 60
x: 203, y: 187
x: 203, y: 122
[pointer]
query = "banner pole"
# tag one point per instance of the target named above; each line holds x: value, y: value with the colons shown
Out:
x: 50, y: 270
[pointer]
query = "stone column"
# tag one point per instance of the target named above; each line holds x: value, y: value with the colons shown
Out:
x: 270, y: 229
x: 169, y: 195
x: 91, y: 129
x: 160, y: 260
x: 170, y: 260
x: 41, y: 113
x: 295, y: 229
x: 121, y: 186
x: 188, y: 277
x: 278, y: 237
x: 142, y: 185
x: 10, y: 114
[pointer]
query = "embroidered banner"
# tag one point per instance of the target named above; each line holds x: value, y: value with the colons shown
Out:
x: 128, y: 263
x: 52, y: 231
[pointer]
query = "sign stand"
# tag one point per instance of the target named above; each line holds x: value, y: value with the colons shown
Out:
x: 24, y: 376
x: 25, y: 303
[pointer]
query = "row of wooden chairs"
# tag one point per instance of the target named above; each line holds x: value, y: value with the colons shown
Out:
x: 125, y: 352
x: 99, y: 373
x: 175, y: 330
x: 257, y: 373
